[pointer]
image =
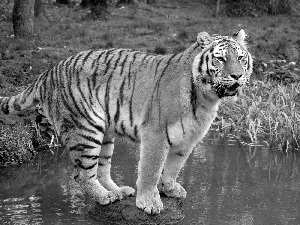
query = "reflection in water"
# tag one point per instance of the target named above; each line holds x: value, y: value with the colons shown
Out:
x: 226, y: 184
x: 21, y: 210
x: 235, y: 185
x: 40, y: 192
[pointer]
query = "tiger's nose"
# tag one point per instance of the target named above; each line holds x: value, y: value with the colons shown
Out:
x: 235, y: 76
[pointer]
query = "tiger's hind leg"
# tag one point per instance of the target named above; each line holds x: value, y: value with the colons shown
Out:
x: 104, y: 166
x: 84, y: 150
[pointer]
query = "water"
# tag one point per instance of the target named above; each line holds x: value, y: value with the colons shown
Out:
x: 226, y: 184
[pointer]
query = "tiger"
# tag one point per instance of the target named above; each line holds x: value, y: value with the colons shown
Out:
x: 165, y: 103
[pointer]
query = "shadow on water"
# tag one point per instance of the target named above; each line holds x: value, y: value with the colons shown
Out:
x: 226, y: 184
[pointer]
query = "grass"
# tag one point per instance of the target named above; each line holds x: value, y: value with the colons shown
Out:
x: 15, y: 144
x: 21, y: 142
x: 266, y: 113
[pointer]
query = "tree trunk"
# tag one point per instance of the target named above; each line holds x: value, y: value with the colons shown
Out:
x: 98, y: 8
x: 217, y: 7
x: 39, y: 9
x: 22, y: 16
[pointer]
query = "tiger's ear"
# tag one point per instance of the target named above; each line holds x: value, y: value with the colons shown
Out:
x: 240, y: 37
x: 204, y: 39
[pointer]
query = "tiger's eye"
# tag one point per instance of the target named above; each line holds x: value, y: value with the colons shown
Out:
x: 220, y: 59
x: 240, y: 57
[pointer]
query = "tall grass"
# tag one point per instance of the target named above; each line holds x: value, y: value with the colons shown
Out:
x: 265, y: 113
x: 15, y: 144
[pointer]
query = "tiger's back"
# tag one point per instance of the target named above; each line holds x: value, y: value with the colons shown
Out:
x: 165, y: 102
x: 116, y: 82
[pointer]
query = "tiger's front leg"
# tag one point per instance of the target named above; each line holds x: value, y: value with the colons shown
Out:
x: 153, y: 153
x: 175, y: 161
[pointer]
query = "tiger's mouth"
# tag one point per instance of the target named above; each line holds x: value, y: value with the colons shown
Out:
x: 231, y: 90
x: 227, y: 90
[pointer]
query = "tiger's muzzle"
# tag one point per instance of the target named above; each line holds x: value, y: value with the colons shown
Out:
x: 224, y: 90
x: 231, y: 90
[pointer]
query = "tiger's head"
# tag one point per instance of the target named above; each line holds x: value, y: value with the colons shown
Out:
x: 224, y: 63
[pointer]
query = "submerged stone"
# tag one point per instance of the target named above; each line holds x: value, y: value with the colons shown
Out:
x: 125, y: 212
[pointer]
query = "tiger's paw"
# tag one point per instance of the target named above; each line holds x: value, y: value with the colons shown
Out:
x: 123, y: 192
x: 126, y: 191
x: 149, y: 202
x: 176, y: 191
x: 108, y: 197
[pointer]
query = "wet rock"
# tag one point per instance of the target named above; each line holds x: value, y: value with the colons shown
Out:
x: 125, y: 212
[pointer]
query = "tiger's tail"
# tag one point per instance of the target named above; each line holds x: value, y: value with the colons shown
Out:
x: 20, y: 106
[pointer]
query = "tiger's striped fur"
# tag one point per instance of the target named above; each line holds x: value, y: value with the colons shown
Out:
x: 165, y: 102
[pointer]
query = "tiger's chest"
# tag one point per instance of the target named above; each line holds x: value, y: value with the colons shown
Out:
x: 191, y: 130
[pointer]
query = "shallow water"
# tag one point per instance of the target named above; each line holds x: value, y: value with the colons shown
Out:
x: 226, y: 184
